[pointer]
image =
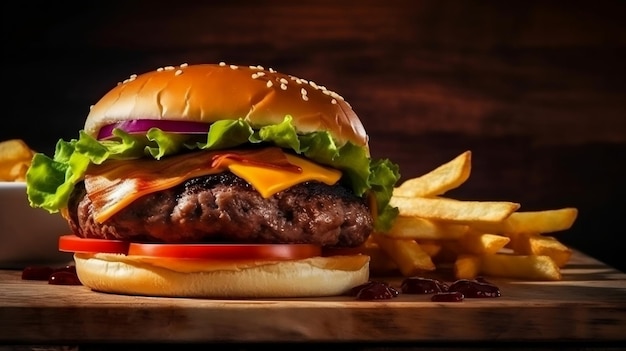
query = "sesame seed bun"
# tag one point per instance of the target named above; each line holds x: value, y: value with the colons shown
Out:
x: 211, y: 92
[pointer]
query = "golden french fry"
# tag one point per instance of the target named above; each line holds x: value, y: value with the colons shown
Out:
x: 436, y: 182
x: 6, y: 173
x: 454, y: 210
x: 18, y: 171
x: 526, y: 267
x: 406, y: 253
x: 478, y: 243
x: 547, y: 221
x: 421, y: 228
x: 467, y: 266
x: 433, y: 229
x: 15, y: 158
x: 431, y: 247
x: 536, y: 244
x: 14, y: 150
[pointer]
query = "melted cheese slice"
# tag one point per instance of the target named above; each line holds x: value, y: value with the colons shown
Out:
x: 115, y: 184
x: 268, y: 181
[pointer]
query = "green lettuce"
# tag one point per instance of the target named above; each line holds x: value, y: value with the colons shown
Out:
x: 50, y: 181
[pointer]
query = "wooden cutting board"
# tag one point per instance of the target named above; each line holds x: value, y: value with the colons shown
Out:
x: 589, y: 304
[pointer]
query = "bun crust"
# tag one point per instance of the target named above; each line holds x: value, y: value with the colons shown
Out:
x: 210, y: 92
x: 313, y: 277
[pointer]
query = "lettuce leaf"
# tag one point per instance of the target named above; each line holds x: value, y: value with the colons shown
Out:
x: 50, y: 181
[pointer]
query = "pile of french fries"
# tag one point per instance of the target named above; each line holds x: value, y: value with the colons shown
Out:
x: 475, y: 238
x: 15, y: 158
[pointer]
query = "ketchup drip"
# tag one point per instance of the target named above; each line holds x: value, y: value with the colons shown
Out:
x: 55, y: 276
x: 440, y: 291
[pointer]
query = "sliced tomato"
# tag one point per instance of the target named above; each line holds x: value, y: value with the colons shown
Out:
x: 227, y: 251
x: 73, y: 243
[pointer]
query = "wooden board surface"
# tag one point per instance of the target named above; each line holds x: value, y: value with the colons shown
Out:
x: 588, y: 304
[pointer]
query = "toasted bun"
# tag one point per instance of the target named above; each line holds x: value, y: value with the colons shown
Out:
x: 210, y: 92
x: 312, y: 277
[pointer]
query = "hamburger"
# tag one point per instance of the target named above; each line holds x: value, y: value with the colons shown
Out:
x: 217, y: 181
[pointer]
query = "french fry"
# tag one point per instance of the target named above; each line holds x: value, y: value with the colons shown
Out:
x: 18, y: 171
x: 467, y: 266
x: 438, y: 181
x: 536, y: 244
x: 525, y: 267
x: 407, y: 227
x: 14, y: 150
x: 454, y: 210
x: 447, y: 254
x: 478, y: 243
x: 431, y: 247
x: 547, y: 221
x: 407, y: 254
x: 477, y: 237
x: 15, y: 158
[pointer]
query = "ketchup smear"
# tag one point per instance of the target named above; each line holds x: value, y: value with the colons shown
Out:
x: 372, y: 290
x: 441, y: 292
x: 56, y: 276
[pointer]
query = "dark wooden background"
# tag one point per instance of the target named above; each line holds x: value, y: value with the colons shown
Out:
x: 536, y: 89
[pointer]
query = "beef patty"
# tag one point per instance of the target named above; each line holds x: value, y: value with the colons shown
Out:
x: 225, y: 208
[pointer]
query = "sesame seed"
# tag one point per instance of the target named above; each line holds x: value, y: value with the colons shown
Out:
x: 336, y: 96
x: 133, y: 76
x: 178, y: 72
x: 269, y: 84
x: 305, y: 98
x: 272, y: 70
x: 90, y: 107
x: 333, y: 101
x: 159, y: 69
x: 283, y: 81
x: 260, y: 74
x: 183, y: 65
x: 313, y: 85
x: 233, y: 67
x: 255, y: 76
x: 169, y: 68
x: 252, y: 67
x: 260, y: 67
x: 283, y: 86
x: 303, y: 91
x: 222, y: 63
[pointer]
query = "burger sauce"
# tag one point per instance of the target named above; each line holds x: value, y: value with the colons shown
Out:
x: 55, y: 276
x: 441, y: 292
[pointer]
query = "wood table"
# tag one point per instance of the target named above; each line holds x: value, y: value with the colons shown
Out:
x: 588, y: 305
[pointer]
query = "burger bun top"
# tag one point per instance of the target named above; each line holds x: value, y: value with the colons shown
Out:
x: 211, y: 92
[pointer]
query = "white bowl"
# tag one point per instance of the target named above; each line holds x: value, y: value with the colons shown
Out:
x: 28, y: 236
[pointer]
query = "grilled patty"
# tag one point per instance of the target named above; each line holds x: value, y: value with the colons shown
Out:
x: 225, y: 208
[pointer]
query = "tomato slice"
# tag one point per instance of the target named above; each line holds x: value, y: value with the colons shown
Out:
x: 73, y: 243
x: 227, y: 251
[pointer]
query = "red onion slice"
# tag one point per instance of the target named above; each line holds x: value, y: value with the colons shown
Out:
x: 136, y: 126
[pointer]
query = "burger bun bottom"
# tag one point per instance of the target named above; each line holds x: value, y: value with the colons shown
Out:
x: 151, y: 276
